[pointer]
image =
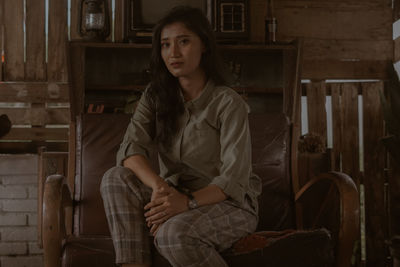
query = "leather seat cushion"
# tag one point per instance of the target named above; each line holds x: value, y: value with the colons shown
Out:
x: 88, y: 251
x: 306, y: 249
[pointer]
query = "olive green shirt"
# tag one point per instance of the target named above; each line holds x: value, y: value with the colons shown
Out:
x: 212, y: 145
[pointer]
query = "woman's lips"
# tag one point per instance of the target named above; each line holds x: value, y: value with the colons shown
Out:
x: 176, y: 64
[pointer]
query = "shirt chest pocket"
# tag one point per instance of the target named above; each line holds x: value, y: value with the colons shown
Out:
x: 203, y: 141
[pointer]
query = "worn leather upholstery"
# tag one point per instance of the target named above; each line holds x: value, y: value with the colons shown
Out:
x: 99, y: 136
x: 270, y: 137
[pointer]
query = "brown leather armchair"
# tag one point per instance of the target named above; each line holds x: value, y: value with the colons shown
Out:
x: 75, y: 230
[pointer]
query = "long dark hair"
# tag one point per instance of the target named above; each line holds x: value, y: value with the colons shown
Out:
x: 164, y: 90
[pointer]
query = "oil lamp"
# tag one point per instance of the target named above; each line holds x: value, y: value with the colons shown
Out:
x: 94, y: 21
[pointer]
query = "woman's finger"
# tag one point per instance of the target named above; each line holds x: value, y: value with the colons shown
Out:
x: 154, y: 203
x: 154, y: 210
x: 154, y: 228
x: 158, y: 217
x: 161, y: 220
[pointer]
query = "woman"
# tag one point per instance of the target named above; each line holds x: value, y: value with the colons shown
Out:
x: 205, y: 197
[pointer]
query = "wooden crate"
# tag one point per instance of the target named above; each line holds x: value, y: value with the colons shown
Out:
x: 39, y: 113
x: 367, y: 170
x: 33, y: 87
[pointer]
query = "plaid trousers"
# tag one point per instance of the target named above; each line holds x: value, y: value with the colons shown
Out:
x: 190, y: 239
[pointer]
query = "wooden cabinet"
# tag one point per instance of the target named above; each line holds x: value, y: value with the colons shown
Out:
x: 107, y: 74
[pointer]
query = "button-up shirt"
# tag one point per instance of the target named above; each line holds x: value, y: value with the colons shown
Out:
x: 211, y: 147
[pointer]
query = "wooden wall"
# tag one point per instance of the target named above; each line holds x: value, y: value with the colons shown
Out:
x: 342, y: 39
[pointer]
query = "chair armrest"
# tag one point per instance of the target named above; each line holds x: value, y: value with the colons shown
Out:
x: 346, y: 193
x: 49, y: 162
x: 57, y: 207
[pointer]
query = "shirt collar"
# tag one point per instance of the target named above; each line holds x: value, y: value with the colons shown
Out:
x: 204, y: 98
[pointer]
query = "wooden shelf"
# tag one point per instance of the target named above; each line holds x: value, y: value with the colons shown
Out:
x: 256, y: 46
x: 101, y: 87
x: 109, y: 45
x: 258, y: 90
x: 109, y: 72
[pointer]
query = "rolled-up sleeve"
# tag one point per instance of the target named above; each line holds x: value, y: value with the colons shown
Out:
x: 140, y: 133
x: 235, y: 154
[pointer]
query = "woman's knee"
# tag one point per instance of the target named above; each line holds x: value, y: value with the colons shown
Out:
x: 115, y: 175
x: 174, y: 233
x: 180, y: 243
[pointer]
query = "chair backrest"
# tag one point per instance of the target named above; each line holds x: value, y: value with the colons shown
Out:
x: 271, y: 143
x: 98, y: 139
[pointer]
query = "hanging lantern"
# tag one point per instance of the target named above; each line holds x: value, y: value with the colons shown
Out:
x: 94, y: 21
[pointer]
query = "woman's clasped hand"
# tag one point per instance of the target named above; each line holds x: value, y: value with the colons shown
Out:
x: 165, y: 203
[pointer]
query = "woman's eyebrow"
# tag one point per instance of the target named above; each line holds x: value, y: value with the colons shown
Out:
x: 183, y: 36
x: 177, y: 37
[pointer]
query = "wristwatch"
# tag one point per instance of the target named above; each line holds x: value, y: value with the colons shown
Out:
x: 192, y: 202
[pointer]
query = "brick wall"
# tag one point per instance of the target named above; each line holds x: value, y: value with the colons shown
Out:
x: 18, y: 211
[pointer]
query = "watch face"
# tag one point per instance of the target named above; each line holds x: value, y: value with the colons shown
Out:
x: 192, y: 204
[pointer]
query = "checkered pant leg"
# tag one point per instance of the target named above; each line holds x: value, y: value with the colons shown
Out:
x: 124, y: 197
x: 194, y: 238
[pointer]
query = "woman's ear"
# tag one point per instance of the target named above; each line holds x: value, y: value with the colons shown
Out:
x: 203, y: 48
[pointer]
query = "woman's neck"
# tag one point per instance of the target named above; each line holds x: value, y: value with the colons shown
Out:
x: 192, y: 86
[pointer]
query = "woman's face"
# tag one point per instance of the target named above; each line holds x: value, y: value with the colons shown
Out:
x: 181, y: 50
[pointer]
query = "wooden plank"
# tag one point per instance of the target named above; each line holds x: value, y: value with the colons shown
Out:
x: 72, y: 156
x: 14, y: 40
x: 28, y: 116
x: 75, y: 19
x: 109, y: 38
x: 34, y: 92
x: 57, y: 40
x: 320, y: 49
x: 372, y: 3
x: 37, y: 134
x: 119, y: 27
x: 35, y: 66
x: 394, y: 194
x: 336, y: 69
x: 31, y: 147
x: 396, y: 10
x: 337, y: 125
x: 77, y: 78
x: 2, y: 33
x: 396, y: 49
x: 350, y: 144
x: 38, y: 111
x: 257, y: 20
x: 316, y: 99
x: 333, y: 20
x: 374, y: 179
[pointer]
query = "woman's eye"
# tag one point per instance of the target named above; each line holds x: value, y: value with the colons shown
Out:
x: 164, y: 45
x: 184, y: 41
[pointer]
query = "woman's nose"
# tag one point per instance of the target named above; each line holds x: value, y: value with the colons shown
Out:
x: 175, y: 52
